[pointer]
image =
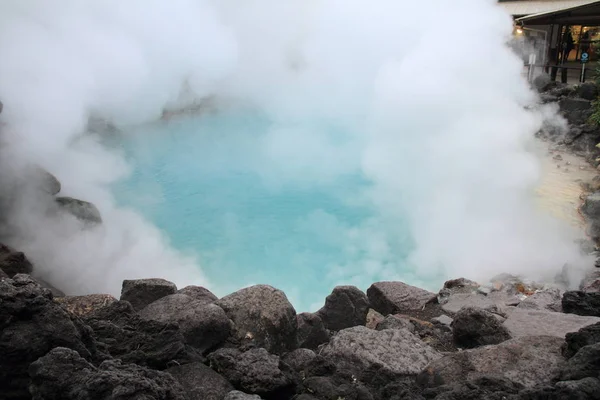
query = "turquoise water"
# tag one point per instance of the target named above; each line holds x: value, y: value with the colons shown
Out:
x: 255, y: 213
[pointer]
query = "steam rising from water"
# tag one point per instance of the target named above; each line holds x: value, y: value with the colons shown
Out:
x: 433, y: 119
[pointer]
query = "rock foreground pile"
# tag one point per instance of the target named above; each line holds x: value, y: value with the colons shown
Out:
x: 505, y: 340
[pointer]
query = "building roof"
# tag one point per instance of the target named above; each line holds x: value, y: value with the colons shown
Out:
x: 519, y: 8
x: 576, y: 14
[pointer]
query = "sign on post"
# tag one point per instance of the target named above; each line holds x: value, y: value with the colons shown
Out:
x: 585, y: 57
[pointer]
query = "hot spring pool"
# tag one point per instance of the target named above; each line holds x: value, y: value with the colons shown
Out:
x: 255, y: 209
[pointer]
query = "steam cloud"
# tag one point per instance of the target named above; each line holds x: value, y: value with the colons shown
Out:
x: 428, y: 93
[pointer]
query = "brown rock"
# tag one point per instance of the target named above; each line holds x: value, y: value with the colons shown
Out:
x: 85, y: 305
x: 373, y: 319
x: 397, y: 297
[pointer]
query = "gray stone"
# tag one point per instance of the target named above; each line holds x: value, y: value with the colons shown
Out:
x: 237, y: 395
x: 198, y: 293
x: 263, y: 316
x: 345, y: 307
x: 591, y: 283
x: 581, y: 303
x: 46, y: 181
x: 587, y: 91
x: 141, y: 292
x: 203, y: 325
x: 443, y: 320
x: 14, y: 262
x: 584, y: 337
x: 474, y: 327
x: 524, y: 322
x: 543, y: 82
x: 530, y: 361
x: 460, y: 300
x: 373, y: 319
x: 200, y: 382
x: 396, y: 351
x: 299, y: 358
x: 311, y: 331
x: 397, y: 297
x: 591, y: 206
x: 396, y: 322
x: 570, y: 104
x: 548, y: 299
x: 584, y: 364
x: 82, y: 210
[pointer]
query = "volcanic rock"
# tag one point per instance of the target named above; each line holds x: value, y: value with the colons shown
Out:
x: 583, y: 389
x: 311, y: 331
x: 396, y: 350
x: 263, y: 316
x: 200, y: 382
x: 397, y: 297
x: 141, y: 292
x: 584, y: 337
x: 587, y: 91
x: 198, y: 293
x: 524, y: 322
x: 254, y: 371
x: 83, y: 305
x: 584, y: 364
x: 299, y: 359
x: 63, y: 374
x: 473, y: 327
x: 82, y: 210
x: 31, y: 325
x: 237, y: 395
x: 581, y: 303
x: 123, y: 334
x: 373, y: 319
x: 396, y: 322
x: 14, y: 262
x: 591, y: 283
x: 203, y: 325
x: 530, y: 361
x: 484, y: 387
x: 548, y: 299
x: 345, y: 307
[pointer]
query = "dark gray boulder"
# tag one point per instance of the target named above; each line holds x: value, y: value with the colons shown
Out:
x: 124, y: 335
x: 591, y: 282
x: 141, y: 292
x: 263, y: 317
x: 311, y: 331
x: 581, y: 303
x: 14, y: 262
x: 587, y: 91
x: 322, y: 388
x: 395, y: 350
x: 584, y: 364
x: 483, y: 387
x: 299, y: 359
x: 43, y: 180
x: 200, y: 382
x: 237, y: 395
x: 529, y: 361
x: 198, y: 293
x: 80, y: 209
x: 397, y: 297
x: 396, y: 322
x: 583, y: 389
x: 254, y: 371
x: 526, y: 322
x: 473, y: 327
x: 63, y: 375
x: 584, y: 337
x: 31, y: 325
x: 548, y: 299
x: 345, y: 307
x: 203, y: 325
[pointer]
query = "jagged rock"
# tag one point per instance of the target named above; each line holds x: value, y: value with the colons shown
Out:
x: 311, y: 331
x: 584, y: 389
x: 299, y: 359
x: 549, y: 299
x: 581, y: 303
x: 263, y: 316
x: 14, y: 262
x: 373, y: 319
x: 584, y: 337
x: 474, y: 327
x: 530, y: 361
x: 524, y: 322
x: 237, y: 395
x: 587, y: 91
x: 82, y: 210
x: 141, y: 292
x: 397, y: 297
x: 44, y: 180
x: 198, y: 293
x: 396, y: 350
x: 55, y: 291
x: 3, y: 275
x: 484, y: 387
x: 63, y: 375
x: 591, y: 283
x: 200, y: 382
x: 322, y: 387
x: 123, y: 334
x: 584, y: 364
x: 84, y: 305
x: 345, y: 307
x: 454, y: 302
x: 442, y: 320
x: 203, y: 325
x: 396, y: 322
x: 254, y: 371
x: 31, y: 324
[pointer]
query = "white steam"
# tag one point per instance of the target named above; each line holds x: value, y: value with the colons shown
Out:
x: 429, y: 93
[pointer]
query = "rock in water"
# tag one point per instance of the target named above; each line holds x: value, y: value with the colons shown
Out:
x: 14, y: 262
x: 83, y: 305
x: 529, y: 360
x: 345, y: 307
x: 584, y: 337
x: 82, y: 210
x: 584, y: 364
x: 63, y: 374
x: 473, y: 327
x: 254, y: 371
x: 395, y: 350
x: 311, y: 331
x: 263, y: 316
x: 141, y: 292
x: 397, y: 297
x: 581, y: 303
x: 203, y: 325
x: 198, y: 293
x: 31, y: 324
x: 200, y: 382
